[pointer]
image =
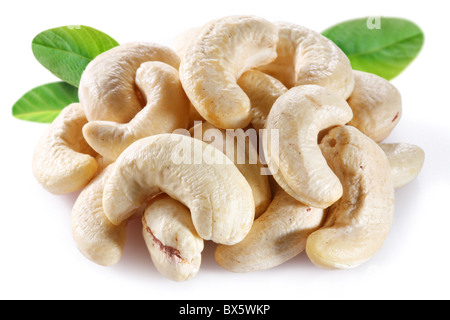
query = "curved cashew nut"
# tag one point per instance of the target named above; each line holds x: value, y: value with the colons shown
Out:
x: 95, y: 236
x: 244, y: 156
x: 262, y: 90
x: 376, y: 105
x: 300, y: 168
x: 218, y: 196
x: 357, y: 225
x: 306, y: 57
x: 276, y: 237
x: 406, y: 161
x: 107, y: 86
x: 223, y: 50
x: 167, y: 109
x: 62, y: 161
x: 173, y: 243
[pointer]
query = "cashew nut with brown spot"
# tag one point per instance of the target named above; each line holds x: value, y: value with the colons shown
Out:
x: 107, y: 86
x: 276, y: 236
x: 173, y: 243
x: 357, y: 225
x: 306, y: 57
x: 216, y: 58
x: 262, y: 90
x: 406, y: 161
x: 300, y: 169
x: 244, y: 156
x: 95, y: 236
x: 167, y: 109
x: 217, y: 194
x: 376, y: 105
x: 63, y: 162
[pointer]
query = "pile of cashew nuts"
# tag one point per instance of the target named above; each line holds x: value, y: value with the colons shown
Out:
x: 331, y: 191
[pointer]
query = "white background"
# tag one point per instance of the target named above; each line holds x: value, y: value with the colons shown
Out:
x: 38, y: 258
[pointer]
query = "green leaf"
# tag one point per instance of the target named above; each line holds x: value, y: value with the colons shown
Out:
x: 383, y: 46
x: 44, y: 103
x: 66, y: 51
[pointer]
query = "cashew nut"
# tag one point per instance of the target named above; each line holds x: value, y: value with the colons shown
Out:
x: 173, y: 243
x: 107, y: 87
x: 300, y: 168
x: 95, y: 236
x: 216, y: 58
x: 218, y: 196
x: 62, y: 161
x: 262, y: 90
x: 376, y: 105
x: 358, y: 224
x: 244, y: 156
x: 167, y: 109
x: 306, y: 57
x: 406, y: 161
x: 276, y: 237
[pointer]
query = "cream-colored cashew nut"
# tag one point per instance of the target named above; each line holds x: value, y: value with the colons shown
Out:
x: 240, y: 149
x: 173, y: 243
x: 63, y: 162
x: 216, y: 58
x: 406, y: 161
x: 358, y: 224
x: 262, y: 90
x: 376, y: 105
x: 276, y: 236
x: 95, y: 236
x: 167, y: 109
x: 300, y: 169
x: 306, y: 57
x: 107, y: 87
x: 217, y: 194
